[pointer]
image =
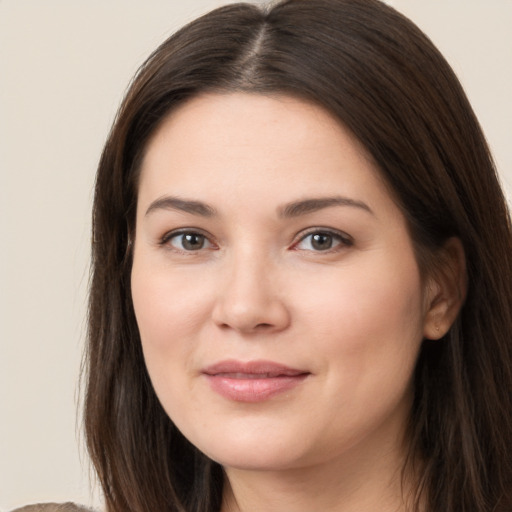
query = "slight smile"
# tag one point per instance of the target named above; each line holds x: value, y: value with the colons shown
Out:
x: 253, y: 381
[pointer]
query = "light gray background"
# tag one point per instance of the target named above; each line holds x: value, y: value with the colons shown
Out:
x: 63, y: 68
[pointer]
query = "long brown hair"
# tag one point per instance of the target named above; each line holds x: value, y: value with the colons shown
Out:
x: 384, y: 80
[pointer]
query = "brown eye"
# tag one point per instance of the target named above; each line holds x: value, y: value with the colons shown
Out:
x: 189, y: 241
x: 319, y: 241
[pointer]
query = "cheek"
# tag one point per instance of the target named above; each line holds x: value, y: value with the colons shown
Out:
x: 368, y: 319
x: 367, y: 330
x: 169, y: 309
x: 167, y: 306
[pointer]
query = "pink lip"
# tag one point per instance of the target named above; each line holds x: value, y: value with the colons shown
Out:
x: 253, y: 381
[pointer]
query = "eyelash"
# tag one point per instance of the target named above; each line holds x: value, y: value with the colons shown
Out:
x: 343, y: 240
x: 168, y: 237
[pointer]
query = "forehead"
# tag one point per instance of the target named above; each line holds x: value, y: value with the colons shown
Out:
x: 233, y: 120
x: 256, y: 146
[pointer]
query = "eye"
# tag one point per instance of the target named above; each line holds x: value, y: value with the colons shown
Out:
x: 323, y: 241
x: 187, y: 241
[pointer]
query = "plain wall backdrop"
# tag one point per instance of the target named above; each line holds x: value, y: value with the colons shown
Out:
x: 64, y: 66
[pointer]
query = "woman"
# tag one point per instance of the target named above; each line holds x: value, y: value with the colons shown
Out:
x: 301, y: 275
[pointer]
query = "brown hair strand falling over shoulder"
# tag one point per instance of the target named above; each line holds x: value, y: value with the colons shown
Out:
x: 384, y: 80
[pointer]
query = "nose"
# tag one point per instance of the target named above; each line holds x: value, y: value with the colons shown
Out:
x: 249, y: 299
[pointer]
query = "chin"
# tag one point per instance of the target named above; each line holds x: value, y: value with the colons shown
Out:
x: 255, y: 460
x: 257, y: 452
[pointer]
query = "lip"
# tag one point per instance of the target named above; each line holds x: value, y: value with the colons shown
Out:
x: 252, y: 381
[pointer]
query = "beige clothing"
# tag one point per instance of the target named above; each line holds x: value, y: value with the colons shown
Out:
x: 53, y: 507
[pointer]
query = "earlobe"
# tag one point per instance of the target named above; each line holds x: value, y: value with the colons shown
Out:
x: 445, y: 290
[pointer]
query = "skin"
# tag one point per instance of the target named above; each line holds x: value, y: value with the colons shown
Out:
x: 352, y: 315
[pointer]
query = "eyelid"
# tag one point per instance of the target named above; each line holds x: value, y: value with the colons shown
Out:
x: 169, y: 235
x: 345, y: 239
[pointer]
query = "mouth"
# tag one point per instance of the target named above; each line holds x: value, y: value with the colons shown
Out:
x: 253, y: 381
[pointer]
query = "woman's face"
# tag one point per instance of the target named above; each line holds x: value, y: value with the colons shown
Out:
x: 278, y: 298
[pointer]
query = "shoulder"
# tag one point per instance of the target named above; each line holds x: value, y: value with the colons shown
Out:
x: 53, y: 507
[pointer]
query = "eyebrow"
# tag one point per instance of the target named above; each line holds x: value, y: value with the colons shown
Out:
x: 183, y: 205
x: 305, y: 206
x: 293, y: 209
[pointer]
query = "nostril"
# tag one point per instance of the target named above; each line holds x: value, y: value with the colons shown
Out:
x: 263, y: 326
x: 257, y: 327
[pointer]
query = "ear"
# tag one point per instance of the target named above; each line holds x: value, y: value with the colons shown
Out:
x: 446, y: 289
